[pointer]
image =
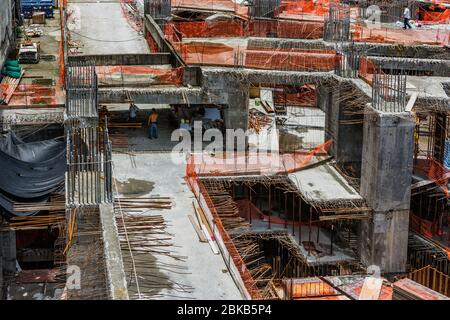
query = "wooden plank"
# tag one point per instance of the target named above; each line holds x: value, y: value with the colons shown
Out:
x: 199, y: 232
x: 411, y: 102
x: 371, y: 288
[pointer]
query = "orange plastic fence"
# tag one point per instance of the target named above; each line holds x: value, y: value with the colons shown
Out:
x: 318, y: 7
x: 240, y: 28
x: 160, y: 76
x: 440, y: 175
x: 290, y: 60
x: 199, y: 190
x: 439, y: 17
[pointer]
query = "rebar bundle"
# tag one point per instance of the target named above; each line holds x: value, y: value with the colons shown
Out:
x: 337, y: 23
x: 389, y: 92
x: 81, y: 94
x: 264, y: 8
x: 89, y: 167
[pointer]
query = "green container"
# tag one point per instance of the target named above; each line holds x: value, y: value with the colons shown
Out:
x: 12, y: 63
x: 12, y: 74
x: 14, y: 69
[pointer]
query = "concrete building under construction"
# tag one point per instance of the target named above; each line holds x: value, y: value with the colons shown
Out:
x: 340, y: 178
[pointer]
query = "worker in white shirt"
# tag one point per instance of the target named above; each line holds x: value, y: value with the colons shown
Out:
x: 406, y: 17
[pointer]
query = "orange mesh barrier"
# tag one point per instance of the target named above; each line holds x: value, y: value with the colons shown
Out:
x: 440, y: 175
x: 204, y: 29
x: 305, y: 97
x: 240, y: 163
x: 151, y: 43
x: 144, y: 73
x: 199, y: 190
x: 318, y: 7
x: 398, y: 35
x: 37, y: 95
x: 290, y: 61
x: 438, y: 17
x: 285, y: 29
x: 239, y: 28
x: 367, y: 69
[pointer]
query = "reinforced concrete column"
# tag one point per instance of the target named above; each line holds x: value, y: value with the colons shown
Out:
x: 386, y: 173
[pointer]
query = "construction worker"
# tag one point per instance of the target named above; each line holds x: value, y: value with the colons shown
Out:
x: 153, y: 125
x: 132, y: 112
x: 406, y: 17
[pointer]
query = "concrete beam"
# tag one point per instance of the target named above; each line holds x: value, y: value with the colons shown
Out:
x: 386, y: 177
x: 124, y: 59
x: 167, y: 95
x: 116, y: 277
x: 438, y: 67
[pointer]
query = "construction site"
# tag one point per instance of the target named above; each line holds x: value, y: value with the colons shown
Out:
x: 318, y: 167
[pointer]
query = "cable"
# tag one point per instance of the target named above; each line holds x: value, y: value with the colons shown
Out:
x: 93, y: 39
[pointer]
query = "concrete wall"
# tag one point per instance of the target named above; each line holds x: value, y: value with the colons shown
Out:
x: 6, y: 29
x: 387, y: 162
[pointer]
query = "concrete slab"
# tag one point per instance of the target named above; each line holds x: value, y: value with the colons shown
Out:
x: 207, y: 272
x: 104, y: 30
x: 324, y: 183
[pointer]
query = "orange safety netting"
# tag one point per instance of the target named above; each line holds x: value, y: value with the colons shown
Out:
x: 215, y: 5
x: 400, y: 36
x: 192, y: 177
x: 440, y: 175
x: 290, y: 60
x: 239, y: 163
x: 303, y: 97
x: 201, y: 193
x: 317, y: 7
x: 240, y: 28
x: 136, y: 73
x: 218, y: 54
x: 36, y: 95
x: 367, y: 69
x: 438, y: 17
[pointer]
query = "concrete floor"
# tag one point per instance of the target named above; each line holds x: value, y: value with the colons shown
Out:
x: 207, y: 273
x: 104, y: 30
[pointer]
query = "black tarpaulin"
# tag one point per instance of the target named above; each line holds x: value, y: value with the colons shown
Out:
x: 29, y: 172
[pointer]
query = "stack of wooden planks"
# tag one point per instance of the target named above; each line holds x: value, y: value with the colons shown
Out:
x: 9, y: 85
x: 119, y: 140
x: 124, y: 125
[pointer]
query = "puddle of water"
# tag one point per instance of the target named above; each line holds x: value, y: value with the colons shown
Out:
x: 134, y: 187
x: 289, y: 142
